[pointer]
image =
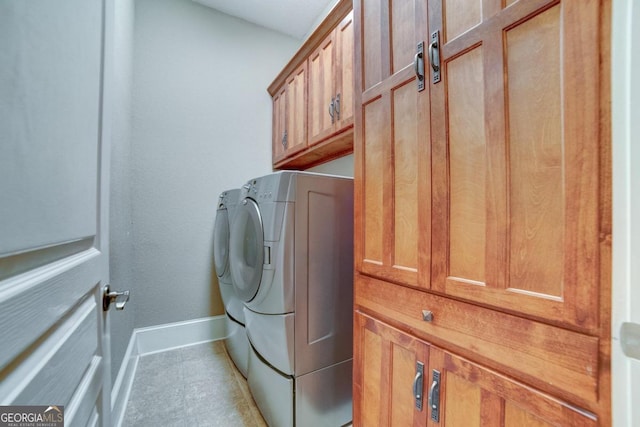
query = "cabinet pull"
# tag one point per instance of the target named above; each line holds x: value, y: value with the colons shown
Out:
x: 418, y: 65
x: 434, y: 396
x: 332, y: 110
x: 434, y: 55
x: 417, y: 385
x: 284, y: 139
x: 337, y: 106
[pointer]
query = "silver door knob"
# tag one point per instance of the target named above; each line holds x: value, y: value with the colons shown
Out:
x: 120, y: 298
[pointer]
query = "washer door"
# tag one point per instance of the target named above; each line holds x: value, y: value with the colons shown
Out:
x: 221, y: 242
x: 246, y: 250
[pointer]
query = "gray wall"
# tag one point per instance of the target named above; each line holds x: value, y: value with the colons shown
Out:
x: 201, y: 125
x: 192, y: 119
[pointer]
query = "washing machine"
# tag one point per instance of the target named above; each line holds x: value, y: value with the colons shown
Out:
x: 291, y: 259
x: 236, y: 340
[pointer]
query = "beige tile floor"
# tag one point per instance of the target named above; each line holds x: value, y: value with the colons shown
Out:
x: 195, y: 386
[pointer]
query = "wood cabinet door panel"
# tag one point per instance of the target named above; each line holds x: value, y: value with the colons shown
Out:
x: 296, y: 104
x: 344, y: 72
x: 393, y: 188
x: 321, y: 89
x: 279, y: 125
x: 515, y: 153
x: 474, y: 396
x: 384, y: 377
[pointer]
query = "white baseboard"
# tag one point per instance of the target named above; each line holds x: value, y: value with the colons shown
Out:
x: 155, y: 339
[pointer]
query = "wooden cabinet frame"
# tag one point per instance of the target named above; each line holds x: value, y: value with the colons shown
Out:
x: 521, y: 118
x: 328, y: 145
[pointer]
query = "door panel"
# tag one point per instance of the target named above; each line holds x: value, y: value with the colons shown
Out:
x: 296, y: 116
x: 467, y: 168
x: 472, y: 395
x: 279, y: 125
x: 54, y: 175
x: 517, y: 133
x: 374, y: 154
x: 394, y: 235
x: 344, y: 78
x: 321, y: 89
x: 535, y: 147
x: 384, y: 381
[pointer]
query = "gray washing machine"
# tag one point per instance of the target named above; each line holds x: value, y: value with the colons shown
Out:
x: 236, y: 339
x: 291, y: 259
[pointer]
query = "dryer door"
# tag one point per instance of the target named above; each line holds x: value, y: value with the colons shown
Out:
x: 221, y: 242
x: 247, y: 250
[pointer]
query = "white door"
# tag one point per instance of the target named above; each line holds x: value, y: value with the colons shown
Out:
x: 626, y: 213
x: 54, y: 174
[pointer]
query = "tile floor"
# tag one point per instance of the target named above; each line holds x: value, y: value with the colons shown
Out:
x: 193, y: 386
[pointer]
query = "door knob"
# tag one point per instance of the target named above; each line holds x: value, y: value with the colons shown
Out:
x: 120, y: 298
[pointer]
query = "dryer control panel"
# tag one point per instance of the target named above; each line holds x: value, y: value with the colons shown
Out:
x: 269, y: 188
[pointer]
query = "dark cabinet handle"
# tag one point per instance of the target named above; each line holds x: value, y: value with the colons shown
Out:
x: 417, y: 385
x: 418, y: 65
x: 332, y: 108
x: 434, y: 55
x: 434, y: 396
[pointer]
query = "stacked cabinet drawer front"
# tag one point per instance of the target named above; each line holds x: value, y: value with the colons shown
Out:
x: 483, y: 205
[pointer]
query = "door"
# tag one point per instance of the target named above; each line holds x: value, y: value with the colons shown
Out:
x: 322, y: 112
x: 388, y: 382
x: 392, y: 138
x: 296, y: 115
x: 516, y: 156
x: 246, y: 250
x: 54, y: 184
x: 279, y: 125
x: 626, y: 214
x: 468, y: 395
x: 344, y: 73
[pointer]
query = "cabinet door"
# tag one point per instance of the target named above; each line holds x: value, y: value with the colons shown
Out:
x: 515, y: 129
x: 469, y: 395
x: 322, y: 90
x: 279, y: 125
x: 344, y: 73
x: 296, y: 104
x: 385, y: 375
x: 392, y: 155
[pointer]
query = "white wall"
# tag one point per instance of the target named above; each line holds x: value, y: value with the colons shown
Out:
x: 201, y: 125
x: 626, y: 205
x: 342, y: 166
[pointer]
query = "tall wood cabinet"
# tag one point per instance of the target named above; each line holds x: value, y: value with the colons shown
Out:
x: 483, y: 220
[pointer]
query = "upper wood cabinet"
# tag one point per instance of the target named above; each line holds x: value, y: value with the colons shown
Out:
x: 331, y: 83
x: 483, y: 183
x: 313, y: 96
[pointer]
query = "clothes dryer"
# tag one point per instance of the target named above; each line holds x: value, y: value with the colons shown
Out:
x: 291, y: 260
x: 236, y: 338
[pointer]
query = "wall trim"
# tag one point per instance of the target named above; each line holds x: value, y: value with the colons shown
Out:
x: 156, y: 339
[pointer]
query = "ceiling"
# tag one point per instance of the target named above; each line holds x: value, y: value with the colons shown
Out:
x: 291, y: 17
